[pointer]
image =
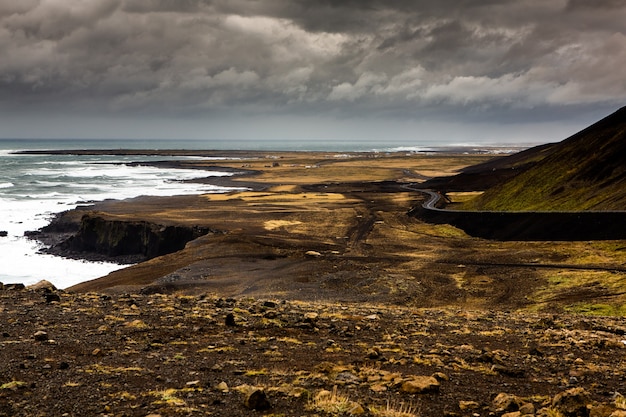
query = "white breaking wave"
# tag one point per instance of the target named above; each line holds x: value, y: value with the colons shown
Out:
x: 34, y: 188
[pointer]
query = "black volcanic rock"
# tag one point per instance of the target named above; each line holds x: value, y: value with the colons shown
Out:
x: 138, y: 240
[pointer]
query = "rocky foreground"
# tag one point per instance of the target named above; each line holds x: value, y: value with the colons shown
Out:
x: 88, y: 354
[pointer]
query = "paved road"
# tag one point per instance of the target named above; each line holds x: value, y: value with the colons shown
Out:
x: 432, y: 200
x: 434, y: 197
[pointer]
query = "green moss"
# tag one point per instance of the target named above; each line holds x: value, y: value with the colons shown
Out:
x: 585, y: 172
x: 597, y: 309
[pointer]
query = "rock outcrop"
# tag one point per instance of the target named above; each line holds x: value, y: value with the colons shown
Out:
x: 126, y: 240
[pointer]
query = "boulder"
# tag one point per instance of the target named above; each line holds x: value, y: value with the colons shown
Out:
x: 573, y: 402
x: 420, y: 385
x: 504, y: 403
x: 254, y: 398
x: 43, y: 285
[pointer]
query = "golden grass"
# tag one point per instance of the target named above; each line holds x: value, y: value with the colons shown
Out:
x: 333, y: 403
x: 13, y: 385
x: 396, y: 410
x: 314, y: 167
x: 277, y: 224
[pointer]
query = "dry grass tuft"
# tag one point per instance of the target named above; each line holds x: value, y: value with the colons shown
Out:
x: 333, y: 403
x: 396, y: 410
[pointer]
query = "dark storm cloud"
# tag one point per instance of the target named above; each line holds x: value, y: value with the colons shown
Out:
x: 402, y: 59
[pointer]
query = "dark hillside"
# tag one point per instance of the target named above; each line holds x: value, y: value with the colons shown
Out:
x: 495, y: 171
x: 584, y: 172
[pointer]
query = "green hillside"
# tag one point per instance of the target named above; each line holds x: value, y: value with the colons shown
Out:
x: 584, y: 172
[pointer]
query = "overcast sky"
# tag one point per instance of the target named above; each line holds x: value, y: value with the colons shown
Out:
x: 448, y: 71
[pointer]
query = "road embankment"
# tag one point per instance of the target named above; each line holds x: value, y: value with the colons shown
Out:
x: 531, y: 225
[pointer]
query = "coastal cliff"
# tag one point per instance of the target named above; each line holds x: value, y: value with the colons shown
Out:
x: 97, y: 236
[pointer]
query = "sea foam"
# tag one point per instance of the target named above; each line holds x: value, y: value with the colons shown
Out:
x: 34, y: 188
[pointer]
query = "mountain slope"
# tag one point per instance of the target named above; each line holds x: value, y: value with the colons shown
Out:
x: 584, y: 172
x: 488, y: 174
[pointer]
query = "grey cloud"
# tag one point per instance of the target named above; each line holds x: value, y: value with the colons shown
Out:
x: 176, y: 6
x: 54, y: 20
x: 403, y: 59
x: 597, y: 4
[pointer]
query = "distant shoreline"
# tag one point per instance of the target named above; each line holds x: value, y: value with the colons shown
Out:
x: 243, y: 153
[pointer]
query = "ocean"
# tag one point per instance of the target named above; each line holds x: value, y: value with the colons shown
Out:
x: 33, y: 188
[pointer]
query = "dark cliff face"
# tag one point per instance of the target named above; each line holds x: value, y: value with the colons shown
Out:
x: 131, y: 239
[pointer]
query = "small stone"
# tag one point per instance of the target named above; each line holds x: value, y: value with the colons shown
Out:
x: 230, y: 320
x: 505, y: 403
x: 52, y: 297
x: 222, y: 387
x: 440, y: 376
x: 313, y: 254
x: 468, y: 405
x: 14, y: 287
x: 311, y: 316
x: 618, y: 413
x: 374, y: 353
x: 347, y: 377
x: 255, y: 399
x: 96, y: 352
x: 420, y: 384
x: 378, y: 388
x: 41, y: 336
x: 512, y: 414
x: 527, y: 409
x: 513, y: 372
x: 193, y: 384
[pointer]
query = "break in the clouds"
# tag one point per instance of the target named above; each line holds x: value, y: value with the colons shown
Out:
x: 205, y: 63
